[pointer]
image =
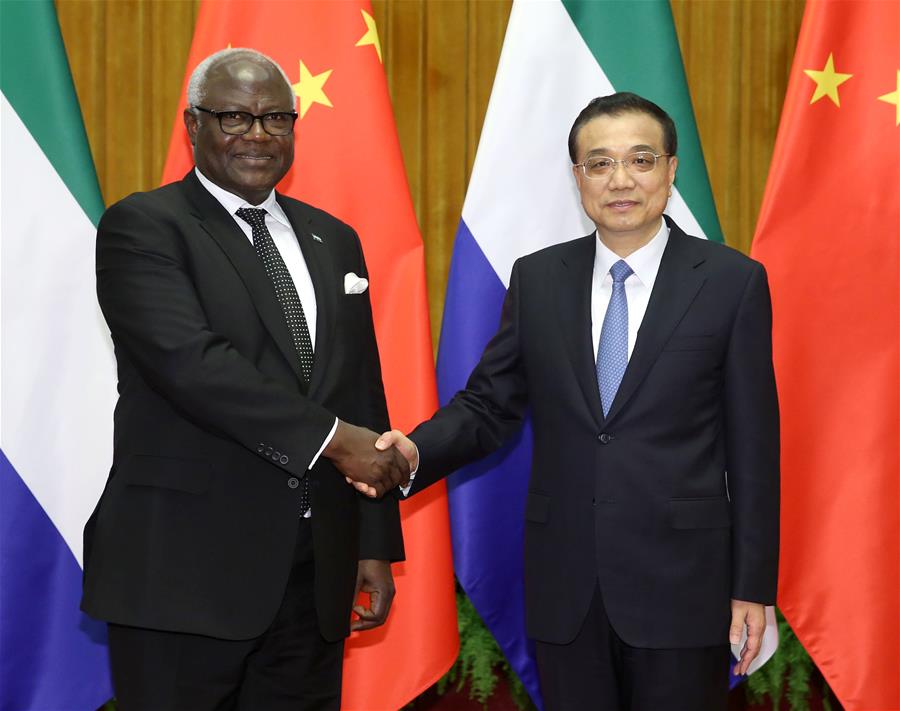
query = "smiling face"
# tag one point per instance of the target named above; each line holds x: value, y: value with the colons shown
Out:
x: 625, y: 207
x: 252, y: 164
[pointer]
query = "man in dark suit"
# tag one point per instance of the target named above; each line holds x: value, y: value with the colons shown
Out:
x: 226, y: 549
x: 644, y: 358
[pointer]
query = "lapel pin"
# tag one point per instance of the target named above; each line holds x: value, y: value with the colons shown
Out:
x: 316, y: 237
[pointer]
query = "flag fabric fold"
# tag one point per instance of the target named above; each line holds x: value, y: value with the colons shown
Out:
x: 348, y: 162
x: 522, y: 197
x: 57, y: 371
x: 829, y: 235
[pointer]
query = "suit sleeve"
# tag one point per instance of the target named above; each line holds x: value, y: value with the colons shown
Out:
x: 752, y: 445
x: 491, y: 408
x: 153, y: 310
x: 381, y: 537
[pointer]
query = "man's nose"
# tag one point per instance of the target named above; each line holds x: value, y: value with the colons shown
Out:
x: 257, y: 132
x: 620, y: 176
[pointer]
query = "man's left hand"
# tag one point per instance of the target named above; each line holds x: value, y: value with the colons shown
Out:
x: 373, y: 577
x: 753, y: 615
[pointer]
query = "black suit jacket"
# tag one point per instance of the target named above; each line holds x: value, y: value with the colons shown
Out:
x: 196, y: 527
x: 670, y: 502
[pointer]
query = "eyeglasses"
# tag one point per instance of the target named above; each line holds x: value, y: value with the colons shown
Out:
x: 237, y: 123
x: 602, y: 167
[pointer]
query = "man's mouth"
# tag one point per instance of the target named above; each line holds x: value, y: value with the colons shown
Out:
x: 250, y: 156
x: 621, y: 204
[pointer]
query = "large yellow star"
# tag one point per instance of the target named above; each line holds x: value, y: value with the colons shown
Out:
x: 310, y: 89
x: 371, y: 36
x: 827, y: 81
x: 894, y: 98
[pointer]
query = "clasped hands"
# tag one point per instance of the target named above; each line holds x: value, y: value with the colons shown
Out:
x: 373, y: 465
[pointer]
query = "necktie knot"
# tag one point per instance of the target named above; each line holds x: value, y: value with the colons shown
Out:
x: 620, y: 271
x: 253, y: 216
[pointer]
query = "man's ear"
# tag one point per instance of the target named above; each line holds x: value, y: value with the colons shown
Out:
x: 578, y: 175
x: 191, y: 124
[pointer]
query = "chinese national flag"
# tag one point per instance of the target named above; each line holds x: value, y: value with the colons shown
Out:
x: 348, y: 162
x: 829, y: 235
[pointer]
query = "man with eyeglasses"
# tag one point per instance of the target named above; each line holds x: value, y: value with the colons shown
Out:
x: 644, y: 357
x: 227, y: 549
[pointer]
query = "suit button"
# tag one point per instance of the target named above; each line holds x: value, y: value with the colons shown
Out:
x: 293, y: 482
x: 260, y: 447
x: 284, y: 459
x: 268, y: 451
x: 605, y: 438
x: 276, y: 455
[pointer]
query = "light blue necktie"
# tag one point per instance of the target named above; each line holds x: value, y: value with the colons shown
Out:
x: 612, y: 352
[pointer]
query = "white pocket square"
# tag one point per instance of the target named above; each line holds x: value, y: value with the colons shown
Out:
x: 354, y: 284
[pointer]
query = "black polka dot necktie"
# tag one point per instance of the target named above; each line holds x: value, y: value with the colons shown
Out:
x: 285, y: 290
x: 290, y: 302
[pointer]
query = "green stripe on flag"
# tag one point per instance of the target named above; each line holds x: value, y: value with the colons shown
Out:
x: 636, y: 46
x: 35, y: 79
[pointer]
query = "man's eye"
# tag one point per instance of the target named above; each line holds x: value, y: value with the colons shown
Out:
x: 235, y: 116
x: 599, y: 164
x: 278, y: 120
x: 642, y: 159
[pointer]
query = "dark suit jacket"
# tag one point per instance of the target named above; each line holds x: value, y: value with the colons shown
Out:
x: 639, y: 500
x: 196, y: 528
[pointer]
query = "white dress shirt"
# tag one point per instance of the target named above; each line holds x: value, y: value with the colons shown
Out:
x: 288, y: 247
x: 644, y: 262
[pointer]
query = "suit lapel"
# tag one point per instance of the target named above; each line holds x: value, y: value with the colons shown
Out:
x: 677, y: 284
x: 321, y: 269
x: 222, y: 228
x: 573, y: 304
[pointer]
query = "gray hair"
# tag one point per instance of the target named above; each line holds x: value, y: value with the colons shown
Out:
x: 196, y: 92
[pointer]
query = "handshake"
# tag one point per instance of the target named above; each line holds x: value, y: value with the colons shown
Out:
x: 373, y: 465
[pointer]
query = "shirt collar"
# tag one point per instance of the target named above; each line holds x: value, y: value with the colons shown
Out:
x: 644, y: 262
x: 232, y: 203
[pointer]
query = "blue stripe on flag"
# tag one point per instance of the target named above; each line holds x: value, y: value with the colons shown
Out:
x: 54, y: 657
x: 487, y: 499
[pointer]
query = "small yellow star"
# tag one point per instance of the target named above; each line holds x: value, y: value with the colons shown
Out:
x: 310, y: 89
x: 827, y: 81
x: 371, y: 36
x: 894, y: 97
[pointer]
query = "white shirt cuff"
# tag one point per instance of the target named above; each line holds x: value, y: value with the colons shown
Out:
x: 324, y: 444
x: 412, y: 475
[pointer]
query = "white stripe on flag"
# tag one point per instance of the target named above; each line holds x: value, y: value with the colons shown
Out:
x: 522, y: 196
x: 58, y: 372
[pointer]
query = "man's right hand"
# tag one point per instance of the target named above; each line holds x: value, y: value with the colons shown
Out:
x: 352, y: 450
x: 393, y: 441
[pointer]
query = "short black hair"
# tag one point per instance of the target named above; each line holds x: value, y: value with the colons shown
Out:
x: 620, y: 103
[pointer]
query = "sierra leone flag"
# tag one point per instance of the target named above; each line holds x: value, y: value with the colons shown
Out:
x: 557, y: 56
x: 57, y: 372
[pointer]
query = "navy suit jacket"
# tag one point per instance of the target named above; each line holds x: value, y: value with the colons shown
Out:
x: 671, y: 502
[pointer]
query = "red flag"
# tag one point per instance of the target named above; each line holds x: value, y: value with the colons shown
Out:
x: 348, y: 162
x: 829, y: 235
